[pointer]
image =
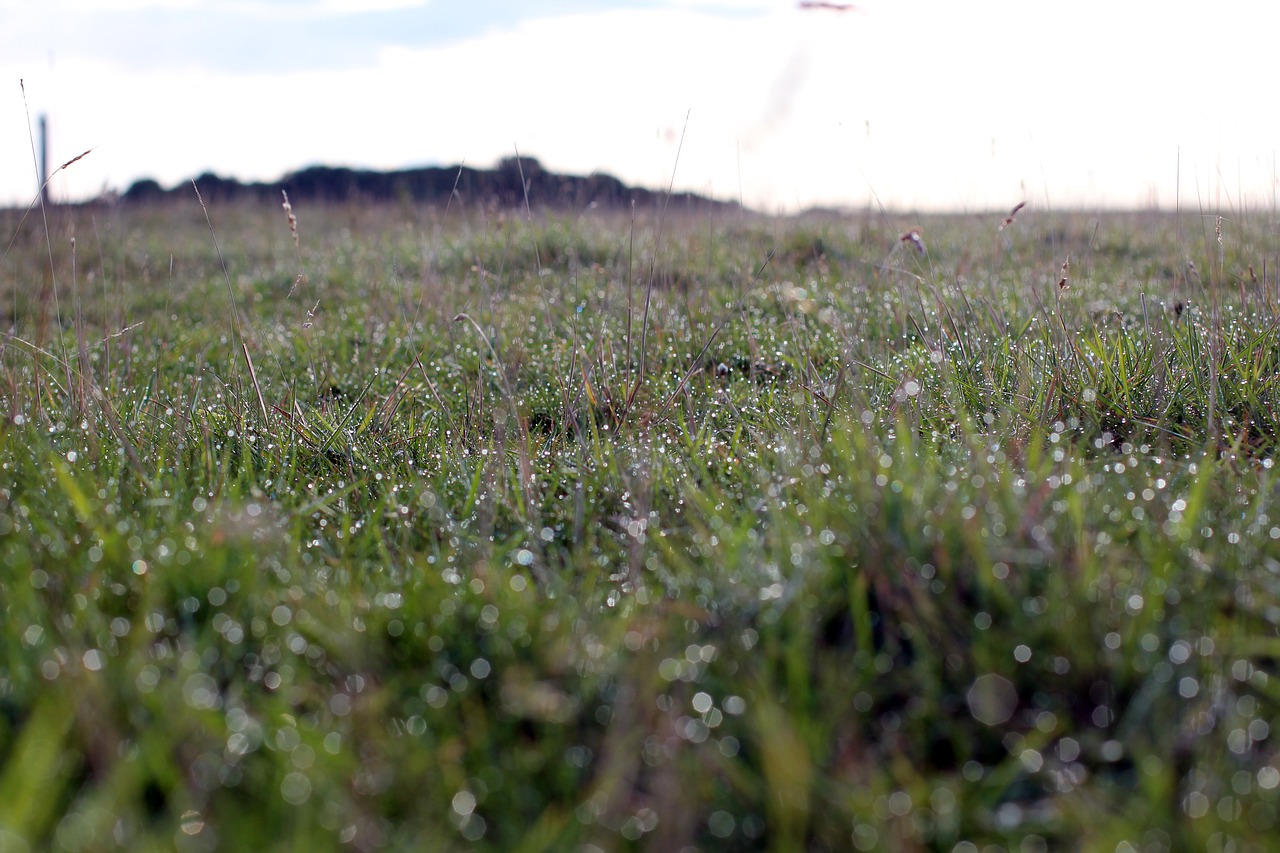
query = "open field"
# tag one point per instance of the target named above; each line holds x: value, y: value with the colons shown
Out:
x: 433, y: 530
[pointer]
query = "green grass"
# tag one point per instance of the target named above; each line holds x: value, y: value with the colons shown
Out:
x: 426, y: 534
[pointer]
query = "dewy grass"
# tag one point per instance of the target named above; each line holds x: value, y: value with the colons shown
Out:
x: 915, y: 550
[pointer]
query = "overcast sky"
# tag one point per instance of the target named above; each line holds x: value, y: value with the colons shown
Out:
x: 912, y: 104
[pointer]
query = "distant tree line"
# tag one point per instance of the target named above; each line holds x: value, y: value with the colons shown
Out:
x: 499, y: 187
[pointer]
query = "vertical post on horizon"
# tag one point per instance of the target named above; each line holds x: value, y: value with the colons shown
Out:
x: 44, y: 159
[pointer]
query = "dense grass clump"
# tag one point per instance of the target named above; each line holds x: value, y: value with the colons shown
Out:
x: 414, y: 529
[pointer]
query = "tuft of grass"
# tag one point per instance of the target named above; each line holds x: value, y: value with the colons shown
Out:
x: 858, y: 543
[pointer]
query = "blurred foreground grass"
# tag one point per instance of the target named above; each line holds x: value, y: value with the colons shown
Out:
x: 437, y: 531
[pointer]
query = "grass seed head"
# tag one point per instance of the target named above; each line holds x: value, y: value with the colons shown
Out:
x: 293, y: 220
x: 75, y: 159
x: 1008, y: 220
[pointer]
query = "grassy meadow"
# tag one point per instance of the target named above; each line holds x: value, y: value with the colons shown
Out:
x: 397, y: 528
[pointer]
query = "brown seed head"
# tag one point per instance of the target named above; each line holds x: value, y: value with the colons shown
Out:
x: 293, y: 220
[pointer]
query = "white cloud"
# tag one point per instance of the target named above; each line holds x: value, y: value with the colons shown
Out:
x: 54, y: 8
x: 352, y: 7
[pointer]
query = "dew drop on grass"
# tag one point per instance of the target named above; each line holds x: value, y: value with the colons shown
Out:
x: 721, y: 824
x: 464, y: 803
x: 191, y: 823
x: 992, y: 699
x: 295, y: 788
x: 900, y: 803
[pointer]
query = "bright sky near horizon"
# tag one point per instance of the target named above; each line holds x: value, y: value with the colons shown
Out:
x: 909, y: 104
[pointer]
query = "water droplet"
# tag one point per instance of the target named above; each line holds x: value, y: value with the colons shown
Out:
x: 992, y: 699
